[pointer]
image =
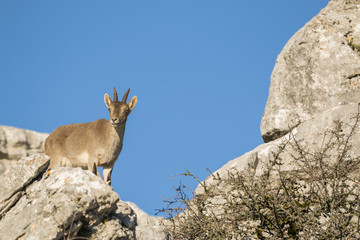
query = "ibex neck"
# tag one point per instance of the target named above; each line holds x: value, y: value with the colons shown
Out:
x: 120, y: 129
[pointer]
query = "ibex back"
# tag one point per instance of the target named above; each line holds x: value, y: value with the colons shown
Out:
x: 93, y: 144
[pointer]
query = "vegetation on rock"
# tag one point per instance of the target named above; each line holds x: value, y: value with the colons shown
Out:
x: 318, y: 199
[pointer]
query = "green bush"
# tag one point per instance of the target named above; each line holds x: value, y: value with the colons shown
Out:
x: 318, y: 200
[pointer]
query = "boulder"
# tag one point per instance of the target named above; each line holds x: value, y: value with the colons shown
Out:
x: 16, y: 143
x: 64, y: 203
x: 317, y: 70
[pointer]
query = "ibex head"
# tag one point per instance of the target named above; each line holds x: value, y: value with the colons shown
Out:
x: 119, y: 110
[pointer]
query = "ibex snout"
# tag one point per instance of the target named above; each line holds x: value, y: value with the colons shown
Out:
x: 115, y: 121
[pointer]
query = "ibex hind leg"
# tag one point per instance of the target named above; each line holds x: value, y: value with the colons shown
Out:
x: 92, y: 167
x: 56, y: 162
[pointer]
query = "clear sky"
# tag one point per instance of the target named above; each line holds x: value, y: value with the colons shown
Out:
x: 200, y: 69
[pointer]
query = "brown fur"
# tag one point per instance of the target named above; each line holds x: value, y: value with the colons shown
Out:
x: 93, y: 144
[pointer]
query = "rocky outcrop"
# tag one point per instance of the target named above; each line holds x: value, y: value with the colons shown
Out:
x: 317, y: 70
x: 64, y: 203
x: 16, y: 143
x: 310, y: 133
x: 314, y: 90
x: 315, y: 82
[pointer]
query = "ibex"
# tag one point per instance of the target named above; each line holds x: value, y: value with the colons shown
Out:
x: 93, y: 144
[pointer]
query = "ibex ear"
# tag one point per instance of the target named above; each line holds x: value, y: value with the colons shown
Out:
x: 132, y: 103
x: 107, y: 100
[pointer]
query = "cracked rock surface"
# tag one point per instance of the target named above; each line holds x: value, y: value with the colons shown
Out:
x: 63, y: 203
x: 318, y: 69
x: 16, y: 143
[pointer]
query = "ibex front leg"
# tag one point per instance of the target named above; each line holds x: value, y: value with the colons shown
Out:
x: 107, y: 170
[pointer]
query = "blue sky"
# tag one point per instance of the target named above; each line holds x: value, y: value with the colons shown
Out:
x: 200, y: 69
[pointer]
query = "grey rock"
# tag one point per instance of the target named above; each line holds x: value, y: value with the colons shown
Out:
x: 61, y: 203
x: 15, y: 180
x: 149, y: 227
x: 317, y: 70
x: 66, y: 203
x: 314, y: 86
x: 120, y: 224
x: 311, y: 135
x: 16, y: 143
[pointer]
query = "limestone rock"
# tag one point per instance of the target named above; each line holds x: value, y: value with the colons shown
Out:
x: 317, y: 70
x: 120, y: 224
x: 67, y: 203
x: 148, y: 227
x: 311, y: 135
x: 13, y: 182
x: 315, y: 85
x: 16, y: 143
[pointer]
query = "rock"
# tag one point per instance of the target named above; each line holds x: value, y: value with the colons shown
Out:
x: 16, y: 143
x: 148, y: 227
x: 315, y: 86
x: 317, y: 70
x: 311, y: 135
x: 67, y: 203
x: 113, y: 227
x: 13, y: 182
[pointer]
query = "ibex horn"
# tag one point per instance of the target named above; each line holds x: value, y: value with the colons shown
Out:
x: 115, y: 95
x: 125, y: 96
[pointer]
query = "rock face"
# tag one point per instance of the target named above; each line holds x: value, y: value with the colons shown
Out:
x: 16, y: 143
x: 314, y: 89
x: 317, y: 70
x: 13, y: 183
x: 315, y: 82
x: 311, y: 135
x: 62, y: 203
